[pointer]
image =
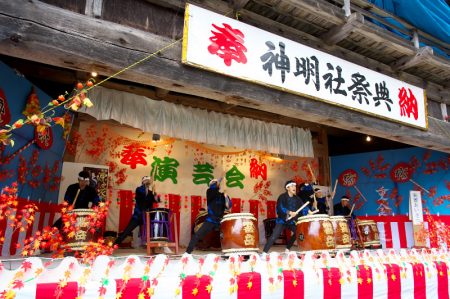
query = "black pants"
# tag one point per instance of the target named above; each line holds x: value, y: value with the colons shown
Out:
x: 201, y: 233
x: 279, y: 227
x: 130, y: 227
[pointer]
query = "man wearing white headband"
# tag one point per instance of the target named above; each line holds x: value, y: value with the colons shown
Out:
x: 145, y: 197
x: 287, y: 205
x: 86, y: 195
x: 80, y: 195
x: 342, y: 208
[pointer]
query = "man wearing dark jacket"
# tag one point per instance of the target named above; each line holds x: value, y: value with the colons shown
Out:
x: 145, y: 198
x: 217, y: 202
x: 287, y: 205
x: 80, y: 195
x: 342, y: 208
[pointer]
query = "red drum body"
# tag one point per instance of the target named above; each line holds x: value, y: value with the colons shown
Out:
x: 83, y: 236
x: 341, y: 232
x: 211, y: 239
x: 368, y: 233
x: 315, y: 232
x: 239, y: 233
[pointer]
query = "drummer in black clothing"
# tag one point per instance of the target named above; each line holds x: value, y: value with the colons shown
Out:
x: 80, y: 195
x: 342, y: 208
x: 145, y: 197
x: 287, y: 205
x: 321, y: 201
x: 218, y: 201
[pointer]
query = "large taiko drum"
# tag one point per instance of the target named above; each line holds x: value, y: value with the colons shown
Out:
x: 159, y: 225
x: 315, y: 233
x: 269, y: 225
x: 239, y: 233
x: 368, y: 233
x: 341, y: 232
x: 82, y: 235
x: 211, y: 241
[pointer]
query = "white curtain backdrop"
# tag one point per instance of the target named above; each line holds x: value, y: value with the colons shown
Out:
x: 197, y: 124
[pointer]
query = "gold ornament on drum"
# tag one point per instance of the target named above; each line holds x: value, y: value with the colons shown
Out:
x: 344, y: 227
x: 248, y: 227
x: 82, y: 222
x: 328, y: 228
x: 80, y: 235
x: 346, y: 238
x: 249, y: 240
x: 330, y: 241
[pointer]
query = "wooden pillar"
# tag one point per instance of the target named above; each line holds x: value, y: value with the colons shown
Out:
x: 320, y: 145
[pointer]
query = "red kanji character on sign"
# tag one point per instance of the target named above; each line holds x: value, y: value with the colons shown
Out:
x: 228, y: 44
x: 408, y: 104
x: 258, y: 169
x: 133, y: 155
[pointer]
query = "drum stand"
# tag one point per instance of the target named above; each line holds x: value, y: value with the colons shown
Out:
x: 159, y: 244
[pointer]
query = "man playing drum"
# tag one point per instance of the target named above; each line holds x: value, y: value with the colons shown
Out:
x: 218, y: 201
x: 145, y: 197
x: 287, y: 205
x: 321, y: 201
x: 80, y: 195
x: 342, y: 208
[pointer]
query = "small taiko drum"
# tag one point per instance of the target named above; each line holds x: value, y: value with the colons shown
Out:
x: 82, y: 235
x: 239, y: 233
x: 315, y: 233
x: 212, y: 239
x: 341, y: 232
x: 159, y: 225
x: 368, y: 233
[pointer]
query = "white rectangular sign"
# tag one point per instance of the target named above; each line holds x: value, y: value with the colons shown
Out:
x: 220, y: 44
x: 415, y: 207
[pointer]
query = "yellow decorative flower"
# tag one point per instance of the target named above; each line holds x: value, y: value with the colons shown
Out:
x: 87, y: 102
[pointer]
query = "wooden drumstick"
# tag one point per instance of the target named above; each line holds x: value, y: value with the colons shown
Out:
x: 351, y: 211
x: 334, y: 190
x: 312, y: 173
x: 298, y: 211
x: 360, y: 193
x: 315, y: 201
x: 153, y: 179
x: 76, y: 197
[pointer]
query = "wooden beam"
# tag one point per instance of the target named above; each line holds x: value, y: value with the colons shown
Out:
x: 161, y: 93
x: 340, y: 32
x: 406, y: 62
x: 239, y: 4
x: 50, y: 35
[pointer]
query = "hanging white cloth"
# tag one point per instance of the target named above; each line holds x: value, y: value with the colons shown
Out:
x: 198, y: 125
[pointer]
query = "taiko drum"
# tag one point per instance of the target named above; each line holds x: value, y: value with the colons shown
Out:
x: 315, y: 232
x: 368, y: 233
x: 239, y: 233
x: 82, y: 235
